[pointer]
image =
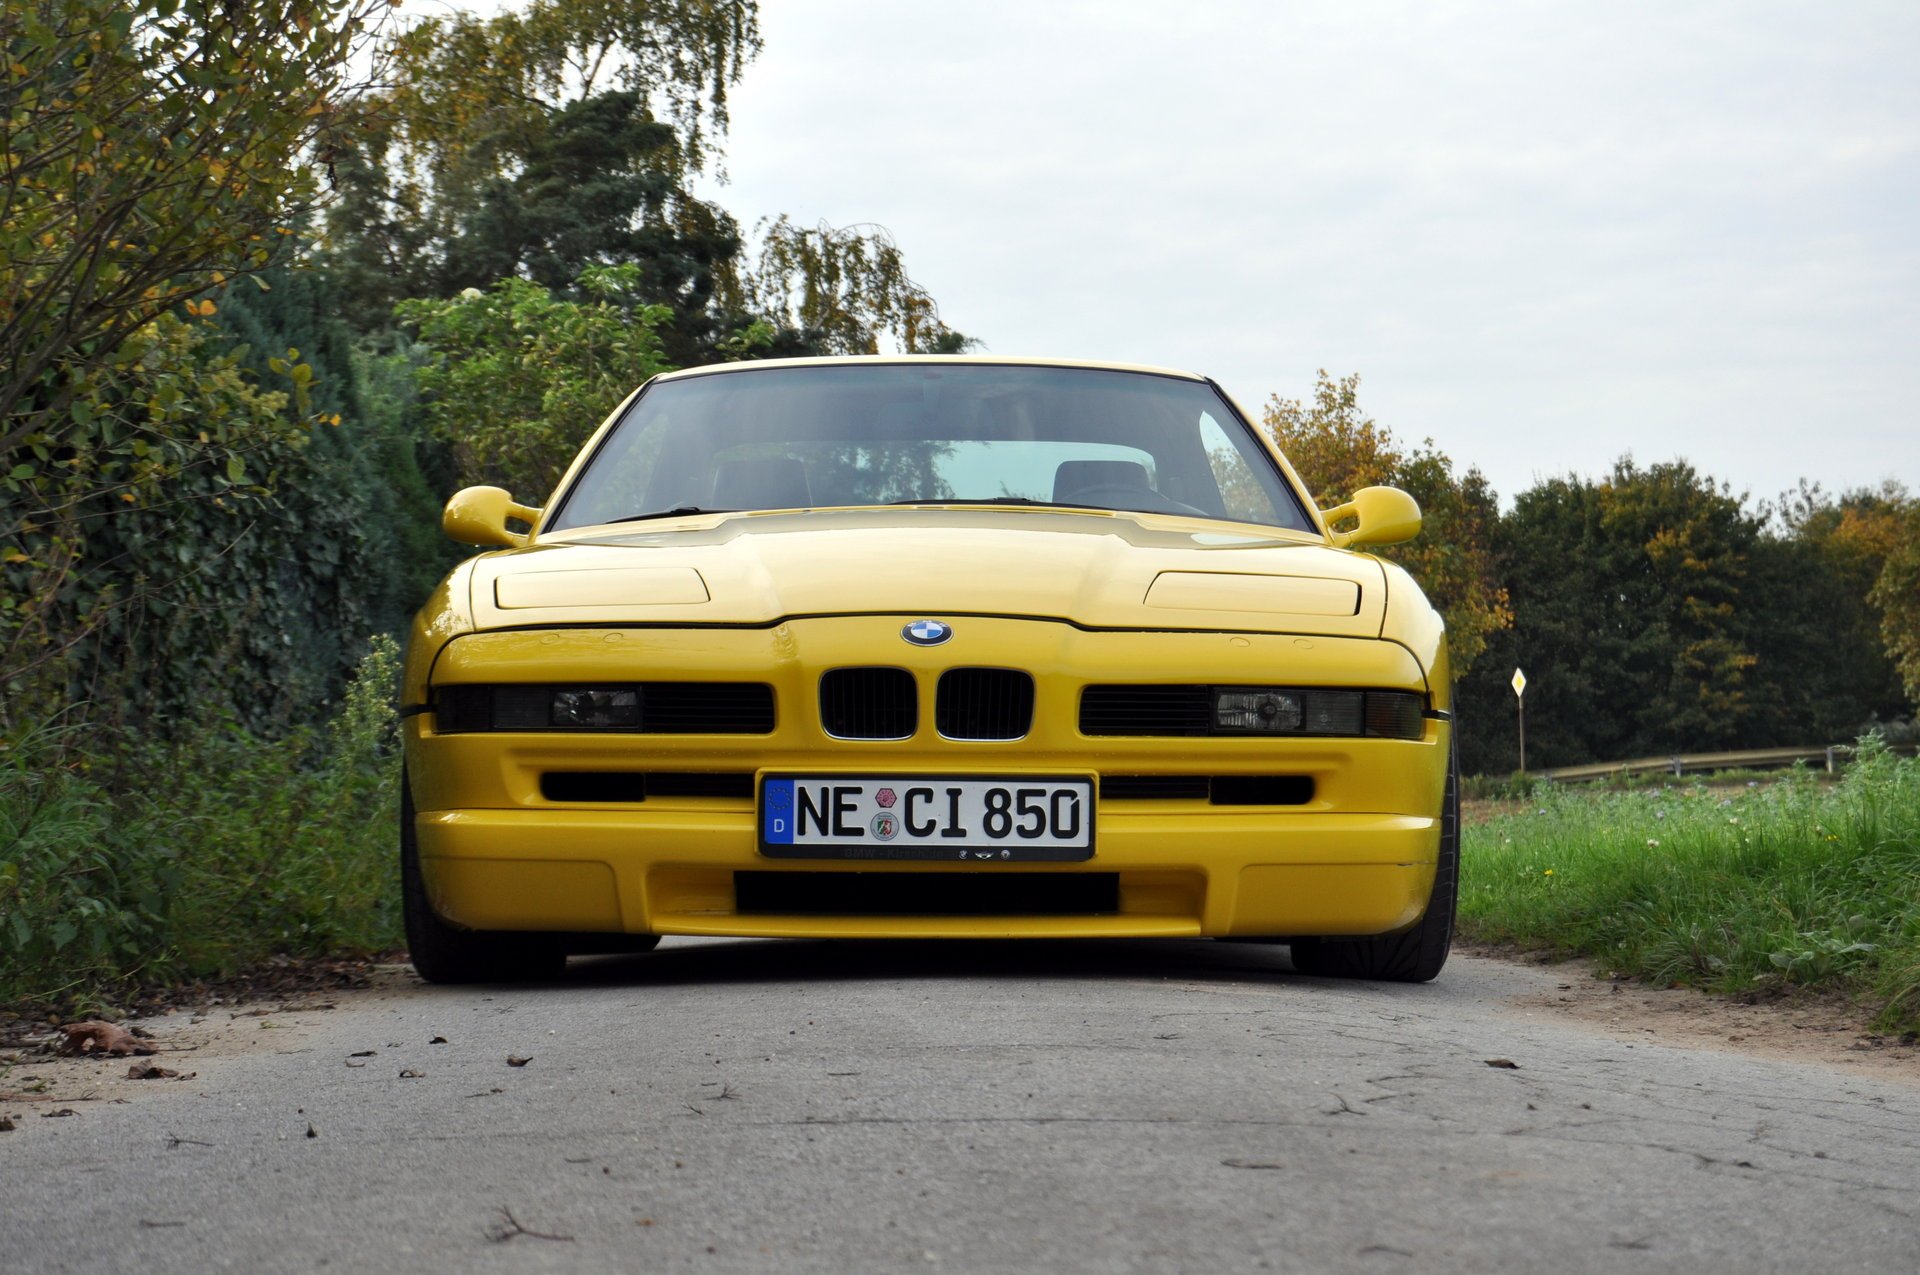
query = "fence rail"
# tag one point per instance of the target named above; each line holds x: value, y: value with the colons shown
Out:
x: 1829, y: 756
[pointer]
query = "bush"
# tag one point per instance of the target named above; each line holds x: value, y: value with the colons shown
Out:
x: 200, y: 856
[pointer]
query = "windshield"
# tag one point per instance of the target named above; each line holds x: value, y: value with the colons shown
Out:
x: 827, y: 436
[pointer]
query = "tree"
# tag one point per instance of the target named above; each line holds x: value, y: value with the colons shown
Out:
x: 1897, y: 594
x: 1338, y: 449
x: 539, y: 142
x: 842, y: 289
x: 519, y: 378
x: 1637, y: 602
x: 536, y: 143
x: 1872, y: 537
x: 152, y: 151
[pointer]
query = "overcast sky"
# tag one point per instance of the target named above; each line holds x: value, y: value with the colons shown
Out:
x: 1545, y: 234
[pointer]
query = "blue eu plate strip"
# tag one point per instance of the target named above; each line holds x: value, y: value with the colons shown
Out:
x: 776, y: 812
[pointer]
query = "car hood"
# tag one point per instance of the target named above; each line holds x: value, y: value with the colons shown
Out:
x: 1095, y: 570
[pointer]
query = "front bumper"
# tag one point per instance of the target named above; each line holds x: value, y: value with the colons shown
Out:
x: 497, y: 855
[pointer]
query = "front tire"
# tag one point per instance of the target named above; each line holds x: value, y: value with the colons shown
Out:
x: 1411, y: 956
x: 446, y: 953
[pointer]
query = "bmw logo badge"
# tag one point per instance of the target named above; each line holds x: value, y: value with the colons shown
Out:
x: 927, y: 632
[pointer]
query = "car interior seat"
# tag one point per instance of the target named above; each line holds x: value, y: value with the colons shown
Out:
x: 1079, y: 475
x: 762, y: 482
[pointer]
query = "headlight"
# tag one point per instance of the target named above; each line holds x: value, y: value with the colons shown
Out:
x: 1256, y: 710
x: 595, y: 709
x: 465, y: 708
x: 659, y: 708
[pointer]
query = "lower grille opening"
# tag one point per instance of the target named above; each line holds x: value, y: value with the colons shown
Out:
x: 631, y: 786
x: 1154, y: 787
x: 1262, y: 790
x: 928, y: 893
x: 1221, y: 790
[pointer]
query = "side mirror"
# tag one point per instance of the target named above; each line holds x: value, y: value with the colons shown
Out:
x: 478, y: 516
x: 1386, y: 515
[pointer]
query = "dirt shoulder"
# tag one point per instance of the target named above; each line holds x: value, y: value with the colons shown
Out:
x: 1825, y: 1029
x: 187, y: 1033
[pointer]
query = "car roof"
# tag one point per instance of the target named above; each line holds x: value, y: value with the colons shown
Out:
x: 934, y: 359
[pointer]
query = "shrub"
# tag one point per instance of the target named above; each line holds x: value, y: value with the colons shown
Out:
x: 199, y: 856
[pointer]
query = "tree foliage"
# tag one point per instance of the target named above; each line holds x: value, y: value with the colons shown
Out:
x: 152, y: 150
x: 843, y: 288
x: 152, y: 153
x: 538, y: 142
x: 182, y: 438
x: 1897, y: 594
x: 517, y: 378
x: 1656, y: 612
x: 1338, y: 449
x: 1872, y: 535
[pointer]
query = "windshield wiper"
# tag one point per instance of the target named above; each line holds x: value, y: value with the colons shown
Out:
x: 997, y: 500
x: 674, y: 512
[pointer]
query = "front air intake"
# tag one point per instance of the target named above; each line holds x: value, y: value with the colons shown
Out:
x: 869, y: 703
x: 984, y: 703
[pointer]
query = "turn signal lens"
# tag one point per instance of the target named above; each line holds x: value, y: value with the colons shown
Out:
x: 1395, y: 715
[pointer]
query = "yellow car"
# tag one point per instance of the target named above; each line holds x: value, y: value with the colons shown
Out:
x: 928, y: 647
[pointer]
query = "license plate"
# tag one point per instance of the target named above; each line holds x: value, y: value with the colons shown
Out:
x: 926, y: 817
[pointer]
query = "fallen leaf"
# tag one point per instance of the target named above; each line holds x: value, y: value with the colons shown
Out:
x: 515, y: 1060
x: 438, y: 1040
x: 1504, y: 1064
x: 154, y: 1071
x: 310, y: 1132
x: 410, y: 1074
x: 97, y: 1036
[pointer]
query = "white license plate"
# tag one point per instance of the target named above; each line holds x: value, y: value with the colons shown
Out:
x: 926, y: 817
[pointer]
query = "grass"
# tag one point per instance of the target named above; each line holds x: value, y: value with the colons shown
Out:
x: 136, y: 863
x: 1792, y: 883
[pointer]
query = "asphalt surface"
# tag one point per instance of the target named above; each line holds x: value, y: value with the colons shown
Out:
x: 1117, y: 1106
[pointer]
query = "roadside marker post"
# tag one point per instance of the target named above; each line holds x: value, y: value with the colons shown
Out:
x: 1520, y: 705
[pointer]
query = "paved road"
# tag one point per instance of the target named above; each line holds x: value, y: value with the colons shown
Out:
x: 1123, y: 1106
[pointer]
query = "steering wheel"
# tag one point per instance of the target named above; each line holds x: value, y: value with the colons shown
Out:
x: 1135, y: 499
